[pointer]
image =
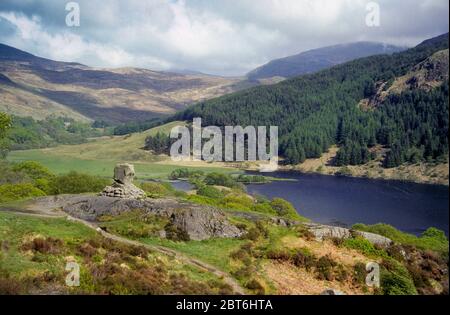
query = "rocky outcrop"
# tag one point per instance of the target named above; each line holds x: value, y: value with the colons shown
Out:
x: 322, y: 232
x: 332, y: 292
x: 198, y: 221
x: 123, y: 186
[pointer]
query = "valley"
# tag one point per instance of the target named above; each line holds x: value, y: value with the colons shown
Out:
x: 38, y: 87
x: 355, y: 132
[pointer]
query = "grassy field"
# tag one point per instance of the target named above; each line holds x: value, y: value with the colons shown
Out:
x: 99, y: 156
x: 35, y: 251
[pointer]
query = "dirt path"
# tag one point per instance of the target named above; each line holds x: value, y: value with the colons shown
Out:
x: 237, y: 288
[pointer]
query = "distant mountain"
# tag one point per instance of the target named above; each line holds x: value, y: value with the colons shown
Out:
x: 39, y: 87
x: 396, y: 105
x: 318, y: 59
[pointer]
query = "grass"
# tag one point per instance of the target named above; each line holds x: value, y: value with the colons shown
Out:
x: 107, y: 267
x: 213, y: 251
x: 99, y: 156
x: 144, y: 228
x: 431, y: 239
x: 60, y: 164
x: 14, y: 228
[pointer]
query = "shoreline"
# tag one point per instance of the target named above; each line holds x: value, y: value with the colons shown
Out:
x: 375, y: 178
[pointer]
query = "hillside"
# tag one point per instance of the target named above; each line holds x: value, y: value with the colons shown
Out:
x: 319, y: 110
x: 38, y: 87
x: 318, y: 59
x: 99, y: 155
x: 177, y: 243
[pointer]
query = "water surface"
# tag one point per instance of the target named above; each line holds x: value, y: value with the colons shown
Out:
x: 345, y: 201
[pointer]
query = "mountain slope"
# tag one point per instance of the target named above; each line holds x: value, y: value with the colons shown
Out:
x: 319, y: 59
x: 316, y: 111
x: 38, y: 87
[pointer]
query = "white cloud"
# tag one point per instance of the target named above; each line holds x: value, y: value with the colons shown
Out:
x: 224, y: 37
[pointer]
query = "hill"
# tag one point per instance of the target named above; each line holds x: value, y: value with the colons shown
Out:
x: 319, y: 110
x: 318, y: 59
x: 38, y: 87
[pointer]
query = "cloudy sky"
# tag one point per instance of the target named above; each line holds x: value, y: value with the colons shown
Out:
x: 226, y: 37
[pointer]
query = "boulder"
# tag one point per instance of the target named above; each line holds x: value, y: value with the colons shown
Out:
x: 123, y: 186
x: 198, y: 221
x: 322, y: 232
x: 332, y: 292
x: 124, y: 174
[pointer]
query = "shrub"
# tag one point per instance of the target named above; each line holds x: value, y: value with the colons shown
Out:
x: 305, y: 233
x: 219, y: 179
x: 432, y: 238
x: 253, y: 234
x: 203, y: 200
x: 256, y: 286
x: 344, y: 171
x: 176, y: 234
x: 264, y: 207
x: 285, y: 209
x: 209, y: 191
x: 342, y: 274
x: 11, y: 192
x: 86, y: 250
x: 303, y: 258
x: 237, y: 201
x: 395, y: 279
x: 11, y: 177
x: 324, y: 268
x: 359, y: 273
x: 185, y: 173
x: 395, y: 284
x: 364, y: 246
x: 154, y: 189
x: 77, y: 183
x: 279, y: 254
x: 256, y: 232
x: 248, y: 179
x: 244, y: 273
x: 11, y: 286
x: 240, y: 254
x: 34, y: 170
x: 47, y: 245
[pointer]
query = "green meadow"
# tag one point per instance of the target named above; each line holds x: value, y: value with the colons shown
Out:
x: 100, y: 155
x: 64, y: 164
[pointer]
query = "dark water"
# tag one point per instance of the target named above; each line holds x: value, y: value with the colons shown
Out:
x: 344, y: 201
x: 181, y: 185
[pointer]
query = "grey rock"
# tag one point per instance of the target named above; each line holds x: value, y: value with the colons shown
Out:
x: 198, y: 221
x: 123, y: 186
x: 124, y: 173
x: 321, y: 232
x: 332, y: 292
x: 376, y: 239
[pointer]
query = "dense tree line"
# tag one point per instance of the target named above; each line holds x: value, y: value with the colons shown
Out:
x: 159, y: 143
x: 318, y: 110
x: 5, y: 124
x: 28, y: 133
x: 136, y: 126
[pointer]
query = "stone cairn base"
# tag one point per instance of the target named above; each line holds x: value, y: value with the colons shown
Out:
x: 123, y: 186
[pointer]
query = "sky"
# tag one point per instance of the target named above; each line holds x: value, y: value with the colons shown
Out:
x: 222, y: 37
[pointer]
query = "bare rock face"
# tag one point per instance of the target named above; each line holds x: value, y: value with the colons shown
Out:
x: 123, y: 186
x: 321, y: 232
x: 198, y: 221
x: 124, y: 174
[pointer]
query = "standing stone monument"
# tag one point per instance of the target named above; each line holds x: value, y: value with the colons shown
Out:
x: 123, y: 186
